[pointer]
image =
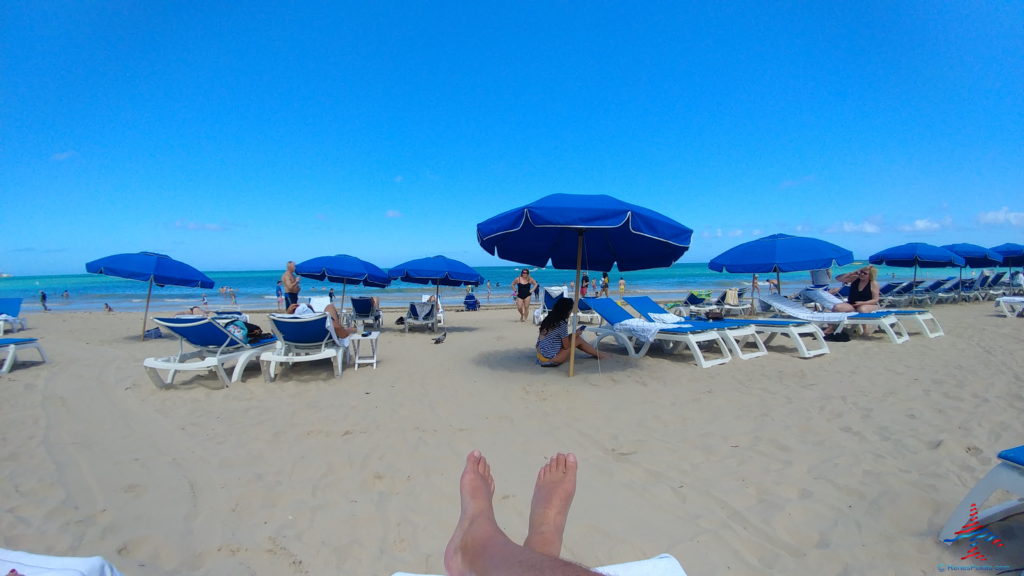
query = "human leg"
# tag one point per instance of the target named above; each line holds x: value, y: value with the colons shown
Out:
x: 479, y: 547
x: 549, y: 509
x: 588, y: 348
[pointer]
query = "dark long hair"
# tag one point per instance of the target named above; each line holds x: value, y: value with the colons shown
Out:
x: 559, y: 313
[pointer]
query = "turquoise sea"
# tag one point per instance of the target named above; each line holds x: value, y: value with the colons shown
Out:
x: 254, y: 290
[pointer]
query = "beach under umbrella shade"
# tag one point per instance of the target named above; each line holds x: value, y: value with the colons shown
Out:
x: 917, y: 255
x: 159, y: 269
x: 436, y: 270
x: 345, y: 270
x: 597, y: 231
x: 780, y: 253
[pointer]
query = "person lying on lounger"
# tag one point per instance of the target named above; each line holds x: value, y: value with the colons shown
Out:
x: 553, y: 339
x: 340, y: 330
x: 479, y: 546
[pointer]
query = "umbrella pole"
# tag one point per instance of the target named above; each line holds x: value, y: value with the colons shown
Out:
x: 145, y: 314
x: 754, y: 287
x: 778, y: 281
x: 575, y: 305
x: 341, y: 313
x: 437, y: 303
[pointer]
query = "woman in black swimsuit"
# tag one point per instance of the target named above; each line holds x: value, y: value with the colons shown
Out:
x: 523, y: 286
x: 864, y: 294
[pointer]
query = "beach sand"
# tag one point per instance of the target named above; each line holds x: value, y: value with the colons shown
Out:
x: 843, y: 464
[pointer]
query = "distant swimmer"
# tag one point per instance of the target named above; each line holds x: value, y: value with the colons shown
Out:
x: 107, y: 308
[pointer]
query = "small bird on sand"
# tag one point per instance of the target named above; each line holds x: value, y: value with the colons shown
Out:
x: 440, y: 339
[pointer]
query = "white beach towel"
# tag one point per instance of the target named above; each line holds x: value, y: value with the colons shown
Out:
x: 644, y: 330
x: 38, y: 565
x: 662, y: 565
x: 667, y: 318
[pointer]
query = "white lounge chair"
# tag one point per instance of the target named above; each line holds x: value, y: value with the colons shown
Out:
x: 662, y: 565
x: 924, y: 320
x: 967, y: 522
x: 627, y: 330
x: 303, y: 339
x: 1011, y: 305
x: 885, y: 321
x: 794, y: 329
x: 10, y: 309
x: 13, y: 345
x: 13, y: 561
x: 422, y: 314
x: 214, y: 348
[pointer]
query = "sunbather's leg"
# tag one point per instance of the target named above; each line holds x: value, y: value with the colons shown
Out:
x: 549, y: 510
x: 586, y: 347
x: 479, y: 547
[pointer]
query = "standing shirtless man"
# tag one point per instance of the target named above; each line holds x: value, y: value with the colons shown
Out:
x: 291, y: 285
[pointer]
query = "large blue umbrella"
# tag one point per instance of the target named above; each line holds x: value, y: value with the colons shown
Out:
x: 595, y: 231
x: 575, y: 230
x: 436, y: 270
x: 159, y: 269
x: 975, y: 256
x: 1013, y: 254
x: 343, y: 269
x: 780, y: 253
x: 918, y: 255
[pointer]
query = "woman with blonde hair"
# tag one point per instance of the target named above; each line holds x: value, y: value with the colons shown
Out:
x: 864, y: 292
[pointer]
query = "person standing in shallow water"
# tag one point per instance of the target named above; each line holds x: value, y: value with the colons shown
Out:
x: 42, y: 301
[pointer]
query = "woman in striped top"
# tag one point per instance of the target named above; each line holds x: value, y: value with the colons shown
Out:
x: 553, y: 340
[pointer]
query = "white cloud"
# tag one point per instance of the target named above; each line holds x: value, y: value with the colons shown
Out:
x: 62, y: 156
x: 1002, y: 216
x: 392, y: 214
x: 921, y: 225
x: 853, y: 227
x: 210, y: 226
x: 797, y: 182
x: 756, y: 232
x: 735, y: 233
x: 399, y: 179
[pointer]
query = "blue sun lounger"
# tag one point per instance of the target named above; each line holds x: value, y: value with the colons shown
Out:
x: 13, y: 345
x: 213, y: 348
x: 302, y: 339
x: 627, y: 330
x: 10, y: 309
x: 796, y: 330
x: 363, y: 309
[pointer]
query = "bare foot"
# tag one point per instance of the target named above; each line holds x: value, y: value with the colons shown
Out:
x: 552, y: 496
x: 476, y: 520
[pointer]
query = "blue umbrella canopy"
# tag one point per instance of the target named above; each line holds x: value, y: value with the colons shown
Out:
x: 159, y: 269
x: 975, y: 256
x: 781, y: 253
x: 614, y: 233
x: 1013, y: 254
x: 436, y: 270
x: 917, y: 255
x: 343, y: 269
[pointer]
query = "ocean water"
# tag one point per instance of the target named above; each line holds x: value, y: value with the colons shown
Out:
x: 255, y: 290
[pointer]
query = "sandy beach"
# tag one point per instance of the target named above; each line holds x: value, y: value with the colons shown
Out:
x: 847, y: 463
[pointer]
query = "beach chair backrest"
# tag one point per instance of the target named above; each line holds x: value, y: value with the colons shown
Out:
x: 997, y: 279
x: 10, y: 306
x: 646, y: 306
x: 552, y: 295
x: 609, y: 310
x: 693, y: 300
x: 301, y: 330
x: 202, y: 333
x: 362, y: 306
x: 421, y: 311
x: 889, y: 287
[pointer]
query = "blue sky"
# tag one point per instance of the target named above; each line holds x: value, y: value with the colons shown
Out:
x: 236, y: 136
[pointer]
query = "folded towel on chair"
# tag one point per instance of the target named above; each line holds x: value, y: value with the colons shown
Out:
x: 27, y: 564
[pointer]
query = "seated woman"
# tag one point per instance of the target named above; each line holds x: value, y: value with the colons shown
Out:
x: 864, y: 294
x: 553, y: 340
